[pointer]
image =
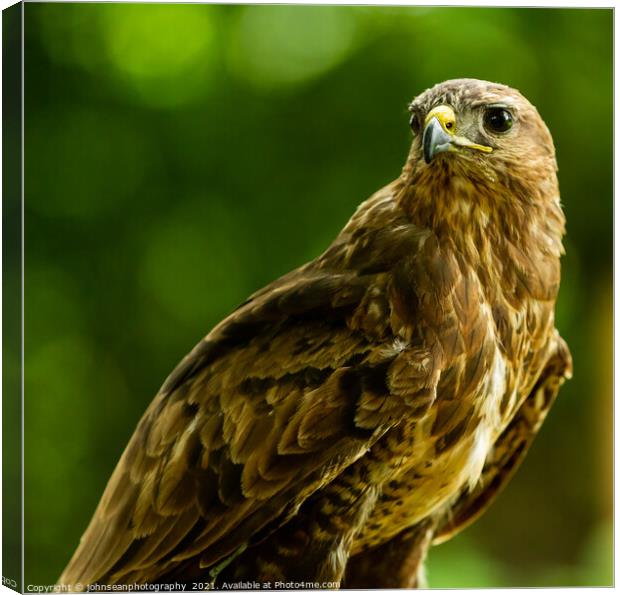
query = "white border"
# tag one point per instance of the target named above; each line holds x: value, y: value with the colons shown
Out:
x: 448, y: 3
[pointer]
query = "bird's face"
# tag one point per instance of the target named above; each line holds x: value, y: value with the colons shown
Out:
x: 475, y: 126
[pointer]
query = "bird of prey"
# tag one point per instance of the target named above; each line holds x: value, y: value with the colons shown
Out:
x: 371, y: 402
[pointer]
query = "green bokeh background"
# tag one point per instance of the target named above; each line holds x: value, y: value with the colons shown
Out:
x: 179, y: 157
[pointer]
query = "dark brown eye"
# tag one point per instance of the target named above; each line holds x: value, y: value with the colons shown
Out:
x: 498, y: 119
x: 414, y: 123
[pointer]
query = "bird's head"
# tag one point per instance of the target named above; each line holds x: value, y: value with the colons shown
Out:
x: 477, y: 129
x: 481, y: 159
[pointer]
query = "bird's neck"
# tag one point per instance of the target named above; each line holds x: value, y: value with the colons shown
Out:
x: 491, y: 226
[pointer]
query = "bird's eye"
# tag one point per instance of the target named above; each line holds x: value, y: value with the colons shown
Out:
x: 498, y: 119
x: 414, y: 123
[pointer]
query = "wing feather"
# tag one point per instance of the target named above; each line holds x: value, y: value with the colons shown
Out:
x: 226, y: 460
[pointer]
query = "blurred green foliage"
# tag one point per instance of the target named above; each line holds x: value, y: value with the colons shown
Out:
x: 178, y: 157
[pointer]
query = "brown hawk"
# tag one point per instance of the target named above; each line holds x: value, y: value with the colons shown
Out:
x: 374, y: 400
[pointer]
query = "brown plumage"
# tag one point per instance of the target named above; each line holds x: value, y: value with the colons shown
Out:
x: 372, y: 401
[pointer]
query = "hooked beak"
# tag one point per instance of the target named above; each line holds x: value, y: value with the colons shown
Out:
x: 435, y: 140
x: 440, y: 134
